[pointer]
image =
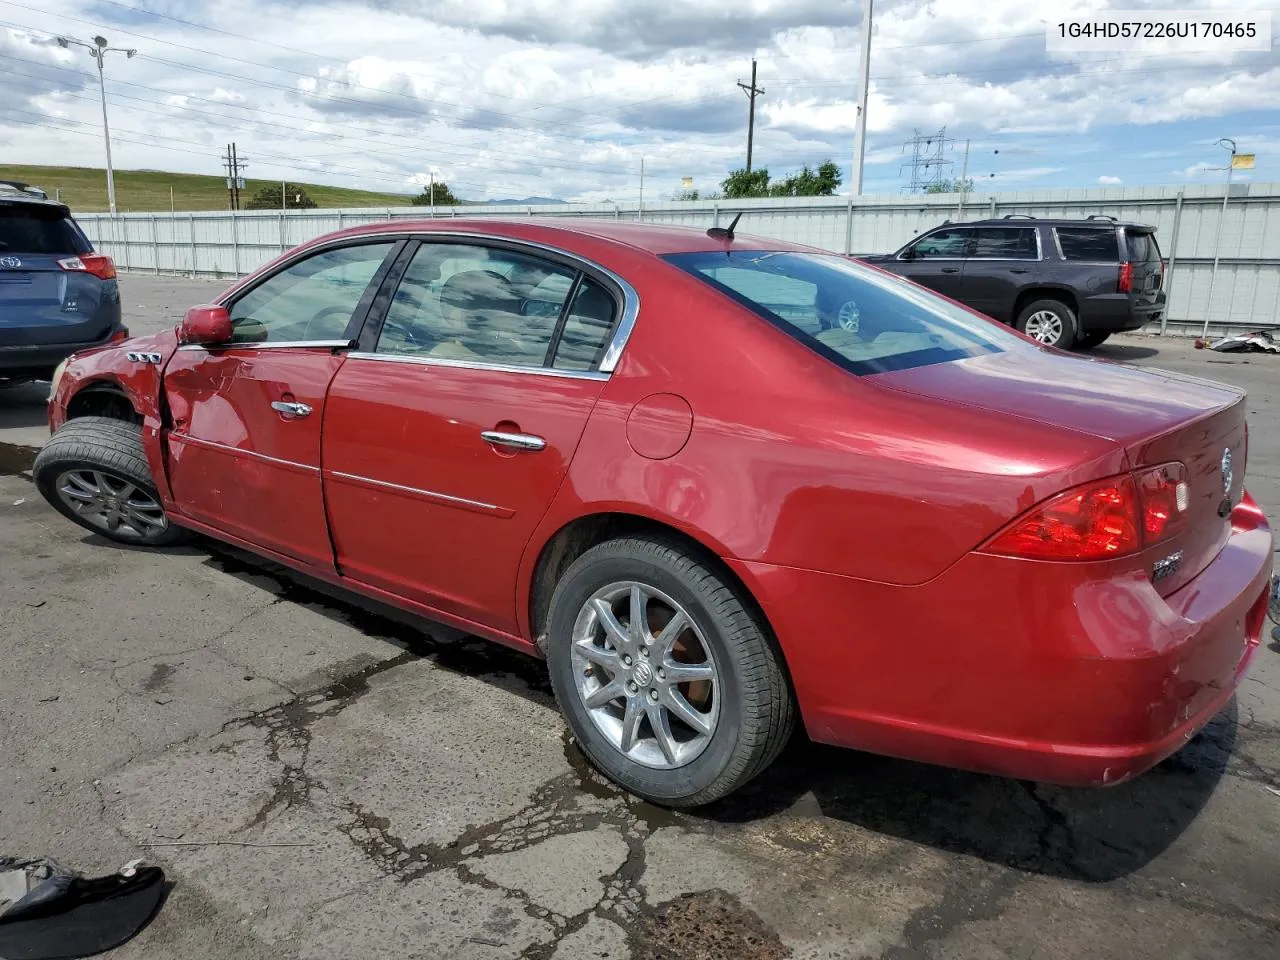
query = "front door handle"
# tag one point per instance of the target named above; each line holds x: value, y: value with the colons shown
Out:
x: 513, y: 441
x: 290, y: 410
x: 1018, y: 270
x: 950, y: 269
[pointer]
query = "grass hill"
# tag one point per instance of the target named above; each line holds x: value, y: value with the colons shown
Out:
x: 85, y: 189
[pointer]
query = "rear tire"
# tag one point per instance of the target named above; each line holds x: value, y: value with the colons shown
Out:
x: 675, y: 742
x: 1051, y: 322
x: 94, y: 472
x: 1090, y: 340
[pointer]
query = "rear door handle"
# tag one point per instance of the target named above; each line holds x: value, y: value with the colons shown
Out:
x: 1018, y: 270
x: 290, y: 409
x: 950, y: 269
x: 513, y: 441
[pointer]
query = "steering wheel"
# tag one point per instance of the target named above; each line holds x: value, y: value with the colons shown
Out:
x: 324, y: 314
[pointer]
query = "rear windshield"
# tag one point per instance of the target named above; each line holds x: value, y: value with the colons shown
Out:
x: 1084, y: 243
x: 865, y: 320
x: 26, y: 228
x: 1142, y: 247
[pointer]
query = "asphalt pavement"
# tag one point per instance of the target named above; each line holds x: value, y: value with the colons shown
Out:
x: 323, y: 778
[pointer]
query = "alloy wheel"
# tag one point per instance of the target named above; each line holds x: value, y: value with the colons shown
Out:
x: 1045, y: 326
x: 112, y: 504
x: 646, y: 675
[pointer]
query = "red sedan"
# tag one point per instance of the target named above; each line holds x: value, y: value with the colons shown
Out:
x: 717, y: 481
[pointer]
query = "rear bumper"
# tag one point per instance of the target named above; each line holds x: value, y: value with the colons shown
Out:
x: 1117, y: 311
x: 40, y: 358
x: 1019, y: 668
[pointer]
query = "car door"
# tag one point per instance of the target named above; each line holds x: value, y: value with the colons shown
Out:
x: 936, y: 260
x: 1003, y: 260
x: 243, y: 445
x: 447, y: 436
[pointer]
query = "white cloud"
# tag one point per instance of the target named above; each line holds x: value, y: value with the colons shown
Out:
x: 1109, y: 181
x: 563, y: 97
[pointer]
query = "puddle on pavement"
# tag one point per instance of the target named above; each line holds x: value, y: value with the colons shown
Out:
x: 705, y: 925
x: 16, y: 458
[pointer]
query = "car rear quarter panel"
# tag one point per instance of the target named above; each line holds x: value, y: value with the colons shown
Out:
x: 793, y: 461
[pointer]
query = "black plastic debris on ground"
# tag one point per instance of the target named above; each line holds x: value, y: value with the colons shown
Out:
x: 50, y: 913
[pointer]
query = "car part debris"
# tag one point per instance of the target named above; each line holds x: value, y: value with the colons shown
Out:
x: 1259, y: 341
x: 50, y: 913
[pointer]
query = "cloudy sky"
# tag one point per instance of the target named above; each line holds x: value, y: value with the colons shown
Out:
x: 562, y: 98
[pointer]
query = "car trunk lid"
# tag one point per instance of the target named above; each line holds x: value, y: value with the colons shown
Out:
x: 1157, y: 416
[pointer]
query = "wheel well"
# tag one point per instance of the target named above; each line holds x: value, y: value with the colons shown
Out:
x: 1045, y: 293
x: 577, y: 537
x: 103, y: 400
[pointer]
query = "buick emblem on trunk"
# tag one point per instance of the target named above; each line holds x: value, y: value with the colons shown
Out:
x: 12, y: 263
x: 1226, y: 471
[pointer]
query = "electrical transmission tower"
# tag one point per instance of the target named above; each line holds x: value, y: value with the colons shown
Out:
x: 928, y: 165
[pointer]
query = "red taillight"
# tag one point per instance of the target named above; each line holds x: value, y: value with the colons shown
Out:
x: 98, y: 264
x: 1090, y: 522
x: 1126, y: 277
x: 1165, y: 497
x: 1099, y: 520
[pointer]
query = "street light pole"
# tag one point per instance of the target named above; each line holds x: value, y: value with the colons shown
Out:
x: 860, y: 125
x: 99, y: 50
x: 1217, y: 243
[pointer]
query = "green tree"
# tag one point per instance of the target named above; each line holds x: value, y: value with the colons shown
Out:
x: 444, y: 196
x: 278, y: 196
x: 746, y: 183
x: 822, y: 182
x: 949, y: 185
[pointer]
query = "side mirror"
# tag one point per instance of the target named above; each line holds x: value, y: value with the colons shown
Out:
x: 206, y: 325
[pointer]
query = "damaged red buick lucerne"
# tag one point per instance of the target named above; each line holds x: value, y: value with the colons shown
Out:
x: 719, y: 482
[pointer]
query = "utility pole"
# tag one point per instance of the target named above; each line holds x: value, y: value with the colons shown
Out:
x: 964, y: 182
x: 99, y: 50
x: 640, y: 212
x: 234, y: 166
x: 433, y: 194
x: 860, y: 127
x: 1217, y: 242
x: 752, y: 92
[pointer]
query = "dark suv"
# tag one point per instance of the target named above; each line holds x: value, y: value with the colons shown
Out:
x: 56, y: 295
x: 1068, y: 283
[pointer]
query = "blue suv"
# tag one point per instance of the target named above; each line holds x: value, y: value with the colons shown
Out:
x: 56, y: 295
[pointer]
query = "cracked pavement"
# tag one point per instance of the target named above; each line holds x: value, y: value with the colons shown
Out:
x: 324, y: 778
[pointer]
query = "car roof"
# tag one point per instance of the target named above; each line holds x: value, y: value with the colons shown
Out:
x: 1055, y: 222
x: 657, y: 239
x: 25, y: 200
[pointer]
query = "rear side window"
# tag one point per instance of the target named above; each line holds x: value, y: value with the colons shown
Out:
x: 1142, y: 247
x: 1007, y: 243
x: 587, y: 327
x: 27, y: 228
x: 864, y: 320
x: 1084, y: 243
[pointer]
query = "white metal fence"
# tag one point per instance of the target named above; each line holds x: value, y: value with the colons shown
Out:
x: 1247, y: 291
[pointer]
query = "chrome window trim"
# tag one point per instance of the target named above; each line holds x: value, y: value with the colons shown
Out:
x: 433, y: 495
x: 252, y: 454
x: 478, y: 365
x: 630, y: 298
x: 278, y: 345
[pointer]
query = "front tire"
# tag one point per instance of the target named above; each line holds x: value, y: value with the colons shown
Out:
x: 94, y: 472
x: 680, y: 703
x: 1051, y: 322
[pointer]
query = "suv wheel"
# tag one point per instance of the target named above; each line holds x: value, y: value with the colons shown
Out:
x: 1051, y: 322
x: 665, y: 677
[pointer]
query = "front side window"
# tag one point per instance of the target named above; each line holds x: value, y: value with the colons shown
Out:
x: 941, y: 245
x: 865, y: 320
x: 312, y: 299
x: 479, y: 304
x: 1088, y: 245
x: 1006, y: 243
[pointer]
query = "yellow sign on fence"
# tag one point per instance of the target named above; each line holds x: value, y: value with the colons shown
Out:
x: 1242, y: 161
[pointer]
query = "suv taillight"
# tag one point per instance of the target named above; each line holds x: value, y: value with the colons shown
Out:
x: 98, y: 264
x: 1126, y: 277
x: 1100, y: 520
